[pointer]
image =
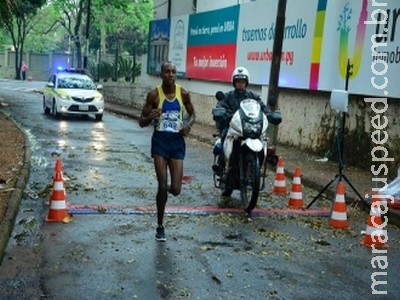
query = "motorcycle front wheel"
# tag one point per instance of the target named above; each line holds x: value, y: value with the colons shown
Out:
x: 250, y: 185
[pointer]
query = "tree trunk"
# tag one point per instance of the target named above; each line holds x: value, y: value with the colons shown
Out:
x: 17, y: 65
x: 78, y: 54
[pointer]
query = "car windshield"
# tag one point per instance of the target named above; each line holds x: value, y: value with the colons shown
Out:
x: 71, y: 82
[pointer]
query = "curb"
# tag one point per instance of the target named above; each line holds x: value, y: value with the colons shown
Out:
x: 14, y: 202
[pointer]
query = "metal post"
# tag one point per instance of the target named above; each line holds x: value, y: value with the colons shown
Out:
x: 69, y: 51
x: 98, y: 65
x: 272, y: 98
x: 134, y: 64
x: 116, y: 59
x: 276, y: 55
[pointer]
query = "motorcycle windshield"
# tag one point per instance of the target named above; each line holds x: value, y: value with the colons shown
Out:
x: 250, y: 107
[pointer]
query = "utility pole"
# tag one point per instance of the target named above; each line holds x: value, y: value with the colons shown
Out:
x: 85, y: 58
x: 169, y: 9
x: 273, y: 93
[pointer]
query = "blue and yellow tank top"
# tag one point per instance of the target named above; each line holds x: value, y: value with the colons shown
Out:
x: 171, y: 111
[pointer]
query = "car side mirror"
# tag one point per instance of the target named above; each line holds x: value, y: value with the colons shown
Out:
x: 50, y: 84
x: 99, y: 87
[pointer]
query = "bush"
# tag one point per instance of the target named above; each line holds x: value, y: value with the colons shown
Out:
x: 92, y: 69
x: 126, y: 68
x: 107, y: 70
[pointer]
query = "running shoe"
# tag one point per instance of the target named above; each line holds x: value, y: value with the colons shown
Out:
x: 160, y: 234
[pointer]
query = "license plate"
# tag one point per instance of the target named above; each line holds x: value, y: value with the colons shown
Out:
x: 84, y: 107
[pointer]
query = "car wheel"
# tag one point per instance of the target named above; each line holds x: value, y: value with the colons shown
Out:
x: 54, y: 110
x: 99, y: 117
x: 45, y: 108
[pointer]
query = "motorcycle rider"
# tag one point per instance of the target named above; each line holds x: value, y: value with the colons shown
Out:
x: 231, y: 103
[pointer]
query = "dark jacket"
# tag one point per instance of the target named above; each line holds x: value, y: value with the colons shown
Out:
x: 232, y: 100
x: 231, y: 103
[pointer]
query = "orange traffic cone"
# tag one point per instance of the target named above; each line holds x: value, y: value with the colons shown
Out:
x: 374, y: 235
x: 280, y: 179
x: 58, y: 207
x: 296, y: 193
x: 58, y: 168
x: 339, y: 211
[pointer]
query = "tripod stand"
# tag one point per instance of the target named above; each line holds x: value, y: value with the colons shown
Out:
x: 340, y: 125
x: 340, y: 175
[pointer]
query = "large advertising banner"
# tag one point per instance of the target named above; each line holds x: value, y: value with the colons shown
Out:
x: 178, y: 43
x: 298, y: 43
x: 158, y: 45
x: 211, y: 45
x: 256, y: 34
x: 368, y: 37
x: 255, y: 39
x: 321, y: 38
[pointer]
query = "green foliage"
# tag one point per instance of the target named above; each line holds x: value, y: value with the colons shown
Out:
x: 11, y: 10
x: 4, y: 38
x: 122, y: 21
x: 6, y: 8
x: 47, y: 35
x: 106, y: 70
x: 138, y: 69
x: 112, y: 22
x: 125, y: 22
x: 91, y: 69
x: 16, y: 20
x: 125, y: 68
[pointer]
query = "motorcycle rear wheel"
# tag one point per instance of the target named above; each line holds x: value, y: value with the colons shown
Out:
x: 250, y: 185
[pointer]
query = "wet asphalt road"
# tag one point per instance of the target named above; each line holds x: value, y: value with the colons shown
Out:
x: 111, y: 254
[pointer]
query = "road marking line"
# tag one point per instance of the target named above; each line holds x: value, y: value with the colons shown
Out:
x: 193, y: 210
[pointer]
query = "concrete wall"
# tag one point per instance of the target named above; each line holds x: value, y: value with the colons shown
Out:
x: 41, y: 65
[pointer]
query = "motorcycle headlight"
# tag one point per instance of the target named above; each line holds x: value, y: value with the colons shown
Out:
x: 252, y: 130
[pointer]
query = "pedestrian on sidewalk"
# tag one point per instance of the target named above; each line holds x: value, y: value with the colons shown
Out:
x: 24, y: 68
x: 164, y: 108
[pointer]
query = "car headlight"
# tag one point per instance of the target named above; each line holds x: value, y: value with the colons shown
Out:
x: 99, y: 98
x: 64, y: 96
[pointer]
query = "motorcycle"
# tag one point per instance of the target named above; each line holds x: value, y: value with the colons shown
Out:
x: 239, y: 163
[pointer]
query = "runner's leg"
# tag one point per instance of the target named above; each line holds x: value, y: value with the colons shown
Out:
x: 160, y: 165
x: 176, y: 171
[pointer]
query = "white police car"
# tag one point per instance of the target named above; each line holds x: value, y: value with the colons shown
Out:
x: 72, y: 92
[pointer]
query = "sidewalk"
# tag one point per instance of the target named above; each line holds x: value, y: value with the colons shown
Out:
x: 315, y: 174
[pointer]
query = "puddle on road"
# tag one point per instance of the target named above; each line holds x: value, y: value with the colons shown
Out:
x: 39, y: 161
x: 33, y: 143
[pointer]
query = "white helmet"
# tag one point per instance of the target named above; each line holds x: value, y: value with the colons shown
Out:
x: 240, y: 73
